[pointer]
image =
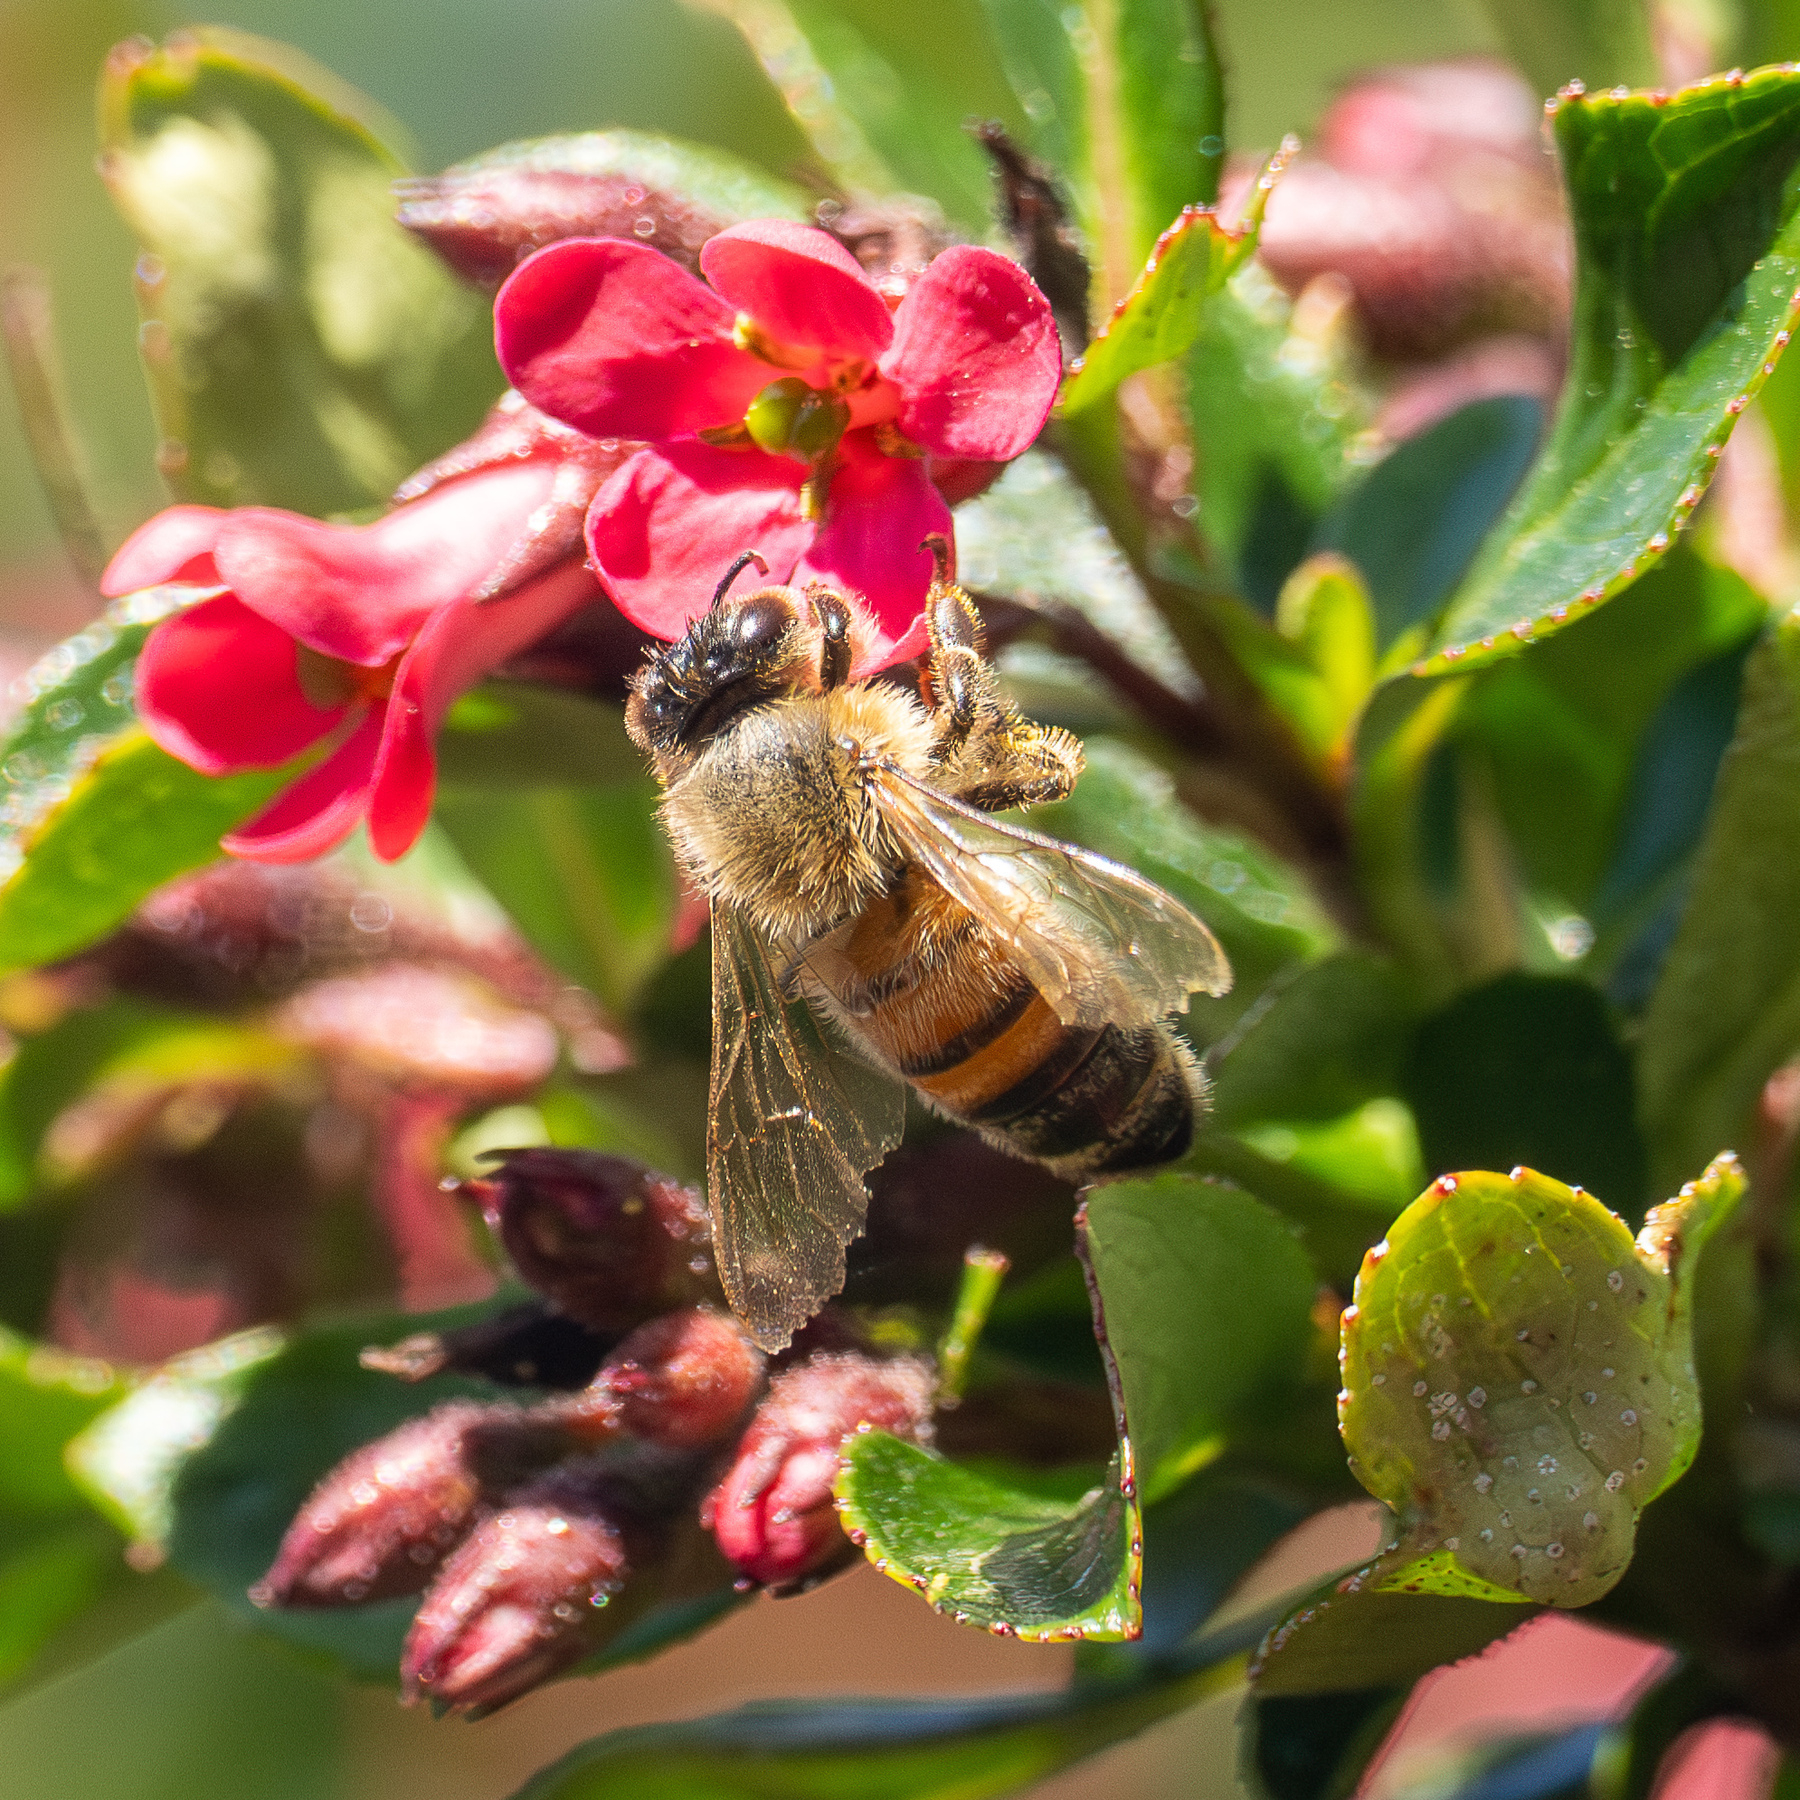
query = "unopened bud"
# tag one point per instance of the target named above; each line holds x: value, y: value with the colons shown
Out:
x: 684, y: 1380
x: 387, y: 1515
x: 610, y: 1242
x: 519, y: 1602
x: 482, y: 219
x: 773, y: 1514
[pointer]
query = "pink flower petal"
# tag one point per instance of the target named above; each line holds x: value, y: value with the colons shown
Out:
x: 881, y: 510
x: 455, y: 648
x: 360, y: 592
x: 216, y: 686
x: 666, y: 527
x: 176, y: 545
x: 319, y: 810
x: 614, y: 338
x: 801, y: 286
x: 975, y: 356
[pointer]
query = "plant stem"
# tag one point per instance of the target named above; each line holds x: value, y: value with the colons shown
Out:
x: 31, y: 355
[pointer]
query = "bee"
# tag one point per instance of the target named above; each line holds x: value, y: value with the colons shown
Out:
x: 873, y: 927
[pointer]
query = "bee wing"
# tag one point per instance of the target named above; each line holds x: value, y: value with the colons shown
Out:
x: 794, y: 1123
x: 1098, y: 941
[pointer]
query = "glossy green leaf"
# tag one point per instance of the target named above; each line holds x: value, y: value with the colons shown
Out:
x: 1127, y: 808
x: 991, y: 1555
x: 1370, y: 1155
x: 1687, y: 263
x: 1325, y: 611
x: 302, y: 349
x: 132, y: 820
x: 1160, y: 318
x: 1276, y: 417
x: 728, y: 187
x: 884, y: 1749
x: 585, y: 872
x: 1206, y: 1295
x: 1529, y: 1069
x: 884, y: 94
x: 1331, y: 1038
x: 1414, y: 522
x: 1519, y: 1381
x: 1126, y: 103
x: 1350, y: 1636
x: 1604, y: 43
x: 1202, y: 1298
x: 1726, y: 1011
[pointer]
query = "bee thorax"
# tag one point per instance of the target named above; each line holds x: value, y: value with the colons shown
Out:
x: 773, y: 815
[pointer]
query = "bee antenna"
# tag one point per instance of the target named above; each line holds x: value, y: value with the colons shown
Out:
x: 939, y: 546
x: 731, y: 575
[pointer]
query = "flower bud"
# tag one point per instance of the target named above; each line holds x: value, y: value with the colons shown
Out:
x: 484, y: 217
x: 684, y: 1380
x: 773, y: 1515
x: 385, y: 1517
x: 610, y: 1242
x: 520, y: 1601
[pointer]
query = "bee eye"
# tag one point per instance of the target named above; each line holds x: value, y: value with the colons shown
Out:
x: 760, y: 624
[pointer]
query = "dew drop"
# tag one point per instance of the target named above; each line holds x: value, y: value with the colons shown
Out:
x: 1478, y: 1397
x: 1553, y: 1551
x: 1615, y: 1481
x: 1484, y: 1483
x: 1628, y: 1417
x: 1454, y: 1543
x: 1487, y: 1537
x: 1546, y: 1465
x: 1638, y: 1467
x: 1520, y: 1551
x: 1528, y: 1387
x: 1608, y: 1373
x: 1591, y: 1520
x: 1441, y: 1430
x: 1377, y: 1381
x: 1615, y: 1281
x: 1590, y: 1396
x: 1534, y: 1497
x: 1419, y: 1390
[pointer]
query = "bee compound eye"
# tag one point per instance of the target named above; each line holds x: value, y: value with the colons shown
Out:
x: 760, y: 624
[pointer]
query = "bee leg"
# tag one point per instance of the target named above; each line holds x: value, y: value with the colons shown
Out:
x: 992, y: 756
x: 835, y: 651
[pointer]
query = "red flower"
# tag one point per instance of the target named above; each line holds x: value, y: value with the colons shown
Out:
x: 361, y: 634
x: 784, y: 408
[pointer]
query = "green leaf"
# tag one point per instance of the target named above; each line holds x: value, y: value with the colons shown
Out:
x: 1325, y: 612
x: 1126, y: 102
x: 1202, y: 1301
x: 1207, y: 1298
x: 1276, y: 420
x: 1160, y: 318
x: 1519, y: 1382
x: 1604, y: 43
x: 991, y: 1555
x: 727, y: 186
x: 1726, y: 1012
x: 1331, y: 1038
x: 1413, y: 523
x: 1529, y: 1069
x: 302, y: 349
x: 46, y: 1397
x: 1350, y: 1636
x: 1314, y: 1746
x: 1127, y: 808
x: 1688, y: 257
x: 883, y: 1749
x: 135, y: 818
x: 884, y: 93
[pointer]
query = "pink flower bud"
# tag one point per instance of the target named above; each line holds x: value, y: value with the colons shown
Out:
x: 773, y: 1514
x: 684, y: 1380
x: 519, y: 1602
x: 386, y: 1516
x: 611, y: 1242
x: 482, y: 219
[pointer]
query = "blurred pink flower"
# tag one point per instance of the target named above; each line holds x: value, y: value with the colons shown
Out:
x: 784, y: 408
x: 358, y: 634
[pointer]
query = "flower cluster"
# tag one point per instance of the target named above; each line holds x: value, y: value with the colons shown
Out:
x: 523, y: 1523
x: 793, y: 406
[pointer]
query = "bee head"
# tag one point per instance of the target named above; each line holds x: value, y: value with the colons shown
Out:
x: 739, y: 655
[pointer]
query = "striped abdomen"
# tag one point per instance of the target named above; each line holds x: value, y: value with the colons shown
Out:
x: 934, y: 993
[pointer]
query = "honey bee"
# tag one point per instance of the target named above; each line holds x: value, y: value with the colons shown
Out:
x: 873, y: 927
